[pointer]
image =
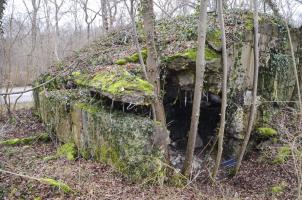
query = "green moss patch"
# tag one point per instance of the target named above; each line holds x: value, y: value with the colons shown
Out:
x: 118, y: 84
x: 57, y: 184
x: 122, y: 61
x: 134, y: 58
x: 191, y: 54
x: 67, y: 150
x: 279, y: 188
x: 44, y: 137
x: 267, y: 132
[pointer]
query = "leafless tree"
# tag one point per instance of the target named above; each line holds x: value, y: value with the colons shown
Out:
x: 253, y: 109
x: 224, y: 89
x: 58, y: 5
x: 153, y: 72
x: 199, y: 78
x: 104, y: 5
x: 88, y: 19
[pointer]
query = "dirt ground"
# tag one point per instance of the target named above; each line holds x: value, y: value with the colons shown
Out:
x: 91, y: 180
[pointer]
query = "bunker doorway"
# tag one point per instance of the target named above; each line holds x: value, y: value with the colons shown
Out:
x: 178, y: 106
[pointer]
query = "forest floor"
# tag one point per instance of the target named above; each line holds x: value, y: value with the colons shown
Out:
x: 91, y: 180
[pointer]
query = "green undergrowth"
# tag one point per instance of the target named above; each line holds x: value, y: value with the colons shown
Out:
x: 283, y: 154
x: 57, y: 184
x: 279, y: 188
x: 43, y: 137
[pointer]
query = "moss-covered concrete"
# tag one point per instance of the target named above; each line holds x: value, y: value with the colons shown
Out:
x: 191, y: 54
x: 134, y: 58
x: 118, y: 84
x: 123, y: 140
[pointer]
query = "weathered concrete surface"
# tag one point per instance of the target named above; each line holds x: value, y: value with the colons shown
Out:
x: 122, y: 140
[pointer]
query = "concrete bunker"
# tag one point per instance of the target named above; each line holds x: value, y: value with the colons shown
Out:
x: 101, y: 102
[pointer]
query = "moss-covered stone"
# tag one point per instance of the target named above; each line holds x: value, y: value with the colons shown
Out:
x: 134, y: 58
x: 122, y: 61
x: 267, y: 132
x: 120, y: 139
x: 44, y: 137
x: 106, y: 136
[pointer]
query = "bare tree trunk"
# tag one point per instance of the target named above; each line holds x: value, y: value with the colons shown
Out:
x: 200, y: 69
x: 224, y: 90
x: 57, y: 30
x: 153, y: 72
x: 88, y: 20
x: 105, y: 14
x: 255, y: 86
x: 112, y: 11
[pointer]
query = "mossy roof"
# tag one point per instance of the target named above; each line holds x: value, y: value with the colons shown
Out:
x: 117, y: 84
x: 176, y: 38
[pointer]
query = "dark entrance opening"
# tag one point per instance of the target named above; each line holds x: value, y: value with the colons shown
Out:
x: 178, y: 106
